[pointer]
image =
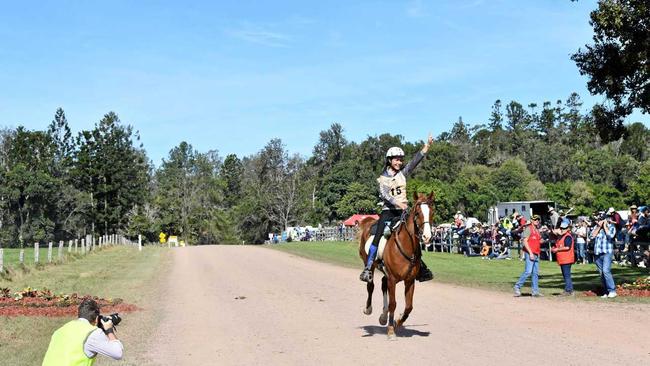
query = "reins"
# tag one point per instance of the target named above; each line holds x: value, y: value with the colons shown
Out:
x: 415, y: 246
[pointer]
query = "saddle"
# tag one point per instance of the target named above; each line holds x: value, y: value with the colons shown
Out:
x: 394, y: 225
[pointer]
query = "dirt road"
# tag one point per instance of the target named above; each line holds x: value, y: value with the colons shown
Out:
x: 246, y: 305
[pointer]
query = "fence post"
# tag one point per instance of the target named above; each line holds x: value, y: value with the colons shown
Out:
x: 49, y: 252
x: 36, y: 252
x: 2, y: 260
x: 60, y: 254
x: 83, y: 246
x: 21, y: 256
x: 69, y: 246
x: 139, y: 242
x: 76, y: 246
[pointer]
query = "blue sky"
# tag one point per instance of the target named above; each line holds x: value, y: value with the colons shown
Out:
x: 232, y: 75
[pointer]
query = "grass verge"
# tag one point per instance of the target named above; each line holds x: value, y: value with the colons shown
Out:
x: 109, y: 273
x: 474, y: 272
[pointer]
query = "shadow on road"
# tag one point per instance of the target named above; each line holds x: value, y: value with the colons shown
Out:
x: 372, y: 330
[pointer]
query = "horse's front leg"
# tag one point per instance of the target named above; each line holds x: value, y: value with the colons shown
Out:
x: 391, y: 309
x: 370, y: 286
x: 384, y: 291
x: 409, y: 289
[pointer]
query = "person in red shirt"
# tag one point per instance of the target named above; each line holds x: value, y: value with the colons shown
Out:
x: 564, y: 255
x: 531, y: 239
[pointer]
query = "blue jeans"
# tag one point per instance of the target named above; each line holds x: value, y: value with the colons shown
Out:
x: 604, y: 264
x: 531, y: 268
x: 582, y: 253
x: 566, y: 273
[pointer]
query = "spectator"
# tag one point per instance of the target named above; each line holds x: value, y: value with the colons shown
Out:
x: 644, y: 221
x: 618, y: 221
x: 564, y: 254
x: 531, y: 242
x: 555, y: 217
x: 605, y: 233
x: 632, y: 224
x: 500, y: 249
x: 581, y: 241
x: 505, y: 225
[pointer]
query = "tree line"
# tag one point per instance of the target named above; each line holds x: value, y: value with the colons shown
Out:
x: 55, y: 186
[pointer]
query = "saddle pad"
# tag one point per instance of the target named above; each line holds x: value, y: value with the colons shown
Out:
x: 380, y: 247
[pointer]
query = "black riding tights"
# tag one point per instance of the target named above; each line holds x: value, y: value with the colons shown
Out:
x: 386, y: 216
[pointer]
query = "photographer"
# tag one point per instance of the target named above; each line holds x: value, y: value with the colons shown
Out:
x: 79, y: 341
x: 604, y: 235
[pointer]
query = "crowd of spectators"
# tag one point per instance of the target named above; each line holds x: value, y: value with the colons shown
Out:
x: 475, y: 239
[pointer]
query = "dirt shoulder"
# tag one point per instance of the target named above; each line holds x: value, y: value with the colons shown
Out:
x: 235, y: 305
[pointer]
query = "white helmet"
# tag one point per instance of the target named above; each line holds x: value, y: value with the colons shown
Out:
x: 394, y: 151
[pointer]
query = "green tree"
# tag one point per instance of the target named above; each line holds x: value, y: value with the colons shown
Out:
x: 28, y: 187
x: 231, y: 174
x: 637, y: 142
x: 639, y: 192
x: 113, y: 172
x: 617, y: 61
x: 359, y: 198
x: 510, y: 180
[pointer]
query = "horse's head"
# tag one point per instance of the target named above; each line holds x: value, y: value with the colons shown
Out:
x: 423, y: 211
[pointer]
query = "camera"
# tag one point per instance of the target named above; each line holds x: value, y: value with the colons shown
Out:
x: 115, y: 318
x: 599, y: 217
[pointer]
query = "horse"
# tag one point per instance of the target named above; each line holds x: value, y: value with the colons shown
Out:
x: 401, y: 259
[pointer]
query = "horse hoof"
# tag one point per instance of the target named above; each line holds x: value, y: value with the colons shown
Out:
x: 383, y: 319
x: 391, y: 334
x: 368, y: 310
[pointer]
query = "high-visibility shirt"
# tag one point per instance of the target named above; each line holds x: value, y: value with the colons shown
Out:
x: 67, y: 345
x: 534, y: 240
x: 565, y: 256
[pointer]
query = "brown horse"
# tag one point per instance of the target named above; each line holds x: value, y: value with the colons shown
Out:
x: 401, y: 259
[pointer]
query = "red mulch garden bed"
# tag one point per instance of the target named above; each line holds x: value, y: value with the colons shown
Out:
x: 638, y: 288
x: 30, y: 302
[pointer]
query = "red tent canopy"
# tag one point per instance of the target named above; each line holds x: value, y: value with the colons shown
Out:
x: 356, y: 218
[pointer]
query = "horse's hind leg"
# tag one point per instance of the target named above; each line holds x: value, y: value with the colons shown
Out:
x: 383, y: 318
x: 409, y: 289
x: 370, y: 286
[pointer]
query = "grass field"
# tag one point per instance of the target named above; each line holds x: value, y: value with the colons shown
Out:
x: 109, y: 273
x: 472, y: 272
x: 11, y: 256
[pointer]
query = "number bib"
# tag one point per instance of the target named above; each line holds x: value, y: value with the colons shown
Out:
x: 396, y: 185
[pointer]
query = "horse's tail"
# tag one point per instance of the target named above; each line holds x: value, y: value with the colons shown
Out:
x: 363, y: 234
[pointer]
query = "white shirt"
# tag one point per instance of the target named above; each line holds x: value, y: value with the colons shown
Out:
x: 98, y: 342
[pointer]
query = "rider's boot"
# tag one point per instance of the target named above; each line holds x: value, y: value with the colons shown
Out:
x: 424, y: 274
x: 366, y: 275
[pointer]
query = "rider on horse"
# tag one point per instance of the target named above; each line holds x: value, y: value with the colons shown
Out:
x: 392, y: 190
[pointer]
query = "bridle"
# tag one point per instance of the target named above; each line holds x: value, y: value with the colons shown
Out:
x: 420, y: 229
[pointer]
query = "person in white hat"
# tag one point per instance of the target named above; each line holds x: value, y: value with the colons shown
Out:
x: 555, y: 217
x: 392, y: 190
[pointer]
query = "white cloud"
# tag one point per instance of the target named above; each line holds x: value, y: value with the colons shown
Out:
x: 261, y: 36
x: 416, y: 9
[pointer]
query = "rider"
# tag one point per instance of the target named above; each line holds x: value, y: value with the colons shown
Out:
x: 392, y: 190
